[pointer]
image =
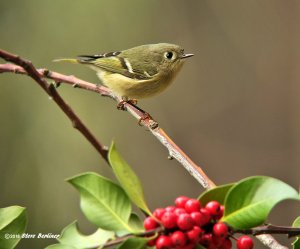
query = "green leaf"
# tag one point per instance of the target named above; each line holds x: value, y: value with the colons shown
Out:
x: 103, y: 202
x: 60, y: 246
x: 72, y: 237
x: 135, y: 223
x: 133, y: 243
x: 217, y: 194
x: 13, y: 222
x: 296, y: 243
x: 249, y: 202
x: 127, y: 178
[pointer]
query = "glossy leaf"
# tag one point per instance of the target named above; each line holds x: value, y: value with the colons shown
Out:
x: 71, y: 236
x: 103, y: 202
x: 127, y: 178
x: 296, y: 243
x: 217, y: 194
x: 249, y: 202
x: 135, y: 223
x: 13, y: 222
x: 133, y: 243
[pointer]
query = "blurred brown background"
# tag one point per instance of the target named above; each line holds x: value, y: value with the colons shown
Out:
x: 234, y: 108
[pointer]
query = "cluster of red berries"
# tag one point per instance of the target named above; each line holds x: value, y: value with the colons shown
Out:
x: 188, y: 223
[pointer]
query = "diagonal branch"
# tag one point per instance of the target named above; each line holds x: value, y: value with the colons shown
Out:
x: 29, y: 69
x: 173, y: 149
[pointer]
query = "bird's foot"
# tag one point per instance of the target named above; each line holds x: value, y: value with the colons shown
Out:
x: 121, y: 104
x: 145, y: 117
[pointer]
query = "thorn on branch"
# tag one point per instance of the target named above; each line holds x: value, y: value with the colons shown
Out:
x: 51, y: 88
x: 46, y: 72
x: 153, y: 125
x: 57, y: 84
x: 16, y: 71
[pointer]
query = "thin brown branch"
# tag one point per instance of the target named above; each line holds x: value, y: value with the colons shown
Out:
x: 27, y: 67
x: 173, y: 149
x: 271, y: 229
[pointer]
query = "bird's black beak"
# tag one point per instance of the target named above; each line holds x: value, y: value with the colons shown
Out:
x: 186, y: 56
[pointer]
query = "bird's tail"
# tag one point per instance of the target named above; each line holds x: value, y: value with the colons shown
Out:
x: 74, y: 61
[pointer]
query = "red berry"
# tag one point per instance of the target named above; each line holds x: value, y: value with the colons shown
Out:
x: 164, y: 242
x: 151, y: 242
x: 192, y: 205
x: 206, y: 240
x: 227, y: 244
x: 170, y: 209
x: 195, y: 234
x: 244, y: 242
x: 222, y: 209
x: 221, y: 213
x: 213, y: 207
x: 158, y: 213
x: 179, y: 238
x: 217, y: 241
x: 220, y: 230
x: 206, y: 214
x: 169, y: 220
x: 212, y: 246
x: 150, y: 223
x: 179, y: 211
x: 180, y: 201
x: 199, y: 218
x: 185, y: 222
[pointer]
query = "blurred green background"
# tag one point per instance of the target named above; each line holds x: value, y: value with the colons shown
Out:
x: 234, y: 108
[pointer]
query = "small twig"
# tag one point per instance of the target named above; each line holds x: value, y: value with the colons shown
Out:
x: 28, y: 68
x: 173, y: 149
x: 271, y: 229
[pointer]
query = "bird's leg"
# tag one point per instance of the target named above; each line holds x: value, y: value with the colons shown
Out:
x: 145, y: 115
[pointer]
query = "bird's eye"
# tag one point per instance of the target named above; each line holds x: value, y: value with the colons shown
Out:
x: 169, y: 55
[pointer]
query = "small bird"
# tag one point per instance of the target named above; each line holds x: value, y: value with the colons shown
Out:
x: 138, y: 72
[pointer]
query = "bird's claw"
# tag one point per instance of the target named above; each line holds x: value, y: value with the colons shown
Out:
x: 145, y: 115
x: 121, y: 104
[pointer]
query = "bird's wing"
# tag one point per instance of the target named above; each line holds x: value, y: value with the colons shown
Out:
x: 114, y: 62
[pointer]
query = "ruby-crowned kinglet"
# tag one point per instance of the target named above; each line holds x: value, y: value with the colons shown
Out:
x: 137, y: 72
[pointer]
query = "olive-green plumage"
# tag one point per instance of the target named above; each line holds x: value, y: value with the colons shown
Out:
x: 137, y: 72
